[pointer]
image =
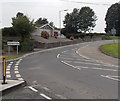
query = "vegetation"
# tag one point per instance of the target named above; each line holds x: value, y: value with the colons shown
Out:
x: 113, y: 19
x: 110, y: 37
x: 41, y: 21
x: 79, y: 21
x: 22, y: 26
x: 26, y: 45
x: 8, y: 31
x: 45, y: 34
x: 11, y: 57
x: 111, y: 49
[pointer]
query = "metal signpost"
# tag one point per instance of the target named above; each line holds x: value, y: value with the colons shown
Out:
x: 13, y: 44
x: 113, y: 31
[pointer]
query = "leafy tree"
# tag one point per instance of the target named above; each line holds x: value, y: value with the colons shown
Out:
x: 22, y: 25
x: 8, y: 31
x: 41, y: 21
x: 51, y: 24
x: 80, y: 20
x: 87, y: 19
x: 113, y: 18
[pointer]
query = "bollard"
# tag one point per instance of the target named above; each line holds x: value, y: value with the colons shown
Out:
x: 4, y: 71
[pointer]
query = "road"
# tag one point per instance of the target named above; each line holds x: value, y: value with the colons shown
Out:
x: 61, y: 73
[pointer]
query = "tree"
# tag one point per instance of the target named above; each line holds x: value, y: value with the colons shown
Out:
x: 80, y: 20
x: 113, y: 18
x: 41, y: 21
x: 87, y: 19
x: 22, y: 25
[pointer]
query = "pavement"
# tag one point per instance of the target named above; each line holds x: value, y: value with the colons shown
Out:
x: 10, y: 85
x: 95, y: 54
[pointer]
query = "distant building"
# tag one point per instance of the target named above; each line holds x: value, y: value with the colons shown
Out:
x: 52, y: 32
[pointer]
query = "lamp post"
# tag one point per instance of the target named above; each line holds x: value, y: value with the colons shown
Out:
x: 60, y: 22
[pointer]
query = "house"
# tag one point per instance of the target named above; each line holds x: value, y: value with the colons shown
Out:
x: 46, y: 27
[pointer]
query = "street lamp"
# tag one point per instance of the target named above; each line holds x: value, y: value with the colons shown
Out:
x: 60, y: 22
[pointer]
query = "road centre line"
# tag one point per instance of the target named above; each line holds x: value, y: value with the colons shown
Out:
x: 33, y: 89
x: 43, y: 95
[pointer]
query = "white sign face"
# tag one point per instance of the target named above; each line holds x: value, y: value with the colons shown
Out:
x: 13, y: 43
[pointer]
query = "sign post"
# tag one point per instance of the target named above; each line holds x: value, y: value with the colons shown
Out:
x: 113, y: 31
x: 13, y: 44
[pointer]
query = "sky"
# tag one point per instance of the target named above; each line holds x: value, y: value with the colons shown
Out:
x: 49, y: 9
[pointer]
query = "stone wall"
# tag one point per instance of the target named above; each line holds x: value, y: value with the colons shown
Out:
x: 57, y: 44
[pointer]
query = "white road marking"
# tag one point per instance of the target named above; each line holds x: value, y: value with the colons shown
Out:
x: 16, y: 72
x: 58, y: 55
x: 60, y: 96
x: 8, y: 76
x: 11, y: 62
x: 67, y: 58
x: 69, y: 64
x: 33, y: 89
x: 43, y: 95
x: 20, y: 79
x: 8, y: 69
x: 16, y: 66
x: 105, y: 69
x: 46, y: 88
x: 110, y: 77
x: 18, y: 75
x: 86, y: 63
x: 8, y: 66
x: 7, y: 72
x: 97, y: 68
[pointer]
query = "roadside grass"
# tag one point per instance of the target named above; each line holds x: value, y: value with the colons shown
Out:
x: 10, y: 57
x: 111, y: 49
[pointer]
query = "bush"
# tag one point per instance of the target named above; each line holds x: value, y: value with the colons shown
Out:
x: 26, y: 45
x: 45, y: 34
x: 110, y: 37
x: 75, y: 35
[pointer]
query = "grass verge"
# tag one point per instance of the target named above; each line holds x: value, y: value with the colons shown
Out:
x: 11, y: 57
x: 111, y: 49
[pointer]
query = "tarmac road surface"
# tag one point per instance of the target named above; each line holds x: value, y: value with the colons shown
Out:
x: 61, y: 73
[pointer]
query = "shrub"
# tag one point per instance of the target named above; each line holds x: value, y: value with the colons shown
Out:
x: 110, y: 37
x: 26, y: 45
x: 45, y: 34
x: 71, y: 38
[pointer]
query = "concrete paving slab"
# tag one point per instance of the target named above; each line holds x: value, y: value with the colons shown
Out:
x: 11, y: 85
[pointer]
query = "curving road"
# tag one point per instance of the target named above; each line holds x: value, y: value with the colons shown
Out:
x: 61, y: 73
